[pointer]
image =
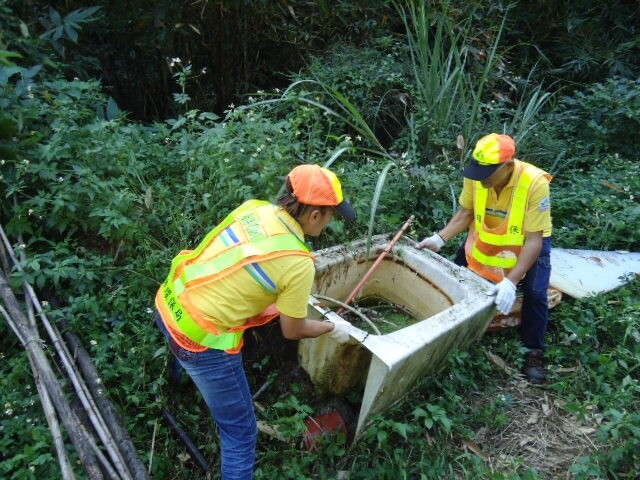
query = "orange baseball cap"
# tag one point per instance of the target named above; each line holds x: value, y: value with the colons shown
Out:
x: 491, y: 151
x: 314, y: 185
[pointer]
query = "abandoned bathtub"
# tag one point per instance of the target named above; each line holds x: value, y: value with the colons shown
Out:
x: 448, y: 306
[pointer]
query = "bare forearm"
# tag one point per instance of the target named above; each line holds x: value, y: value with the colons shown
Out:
x: 459, y: 223
x: 299, y: 328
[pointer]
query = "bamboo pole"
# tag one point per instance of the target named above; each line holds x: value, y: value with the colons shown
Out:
x: 49, y: 411
x: 45, y: 399
x: 111, y: 416
x: 77, y: 434
x: 80, y: 386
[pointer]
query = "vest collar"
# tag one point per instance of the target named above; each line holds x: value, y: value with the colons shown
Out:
x: 291, y: 223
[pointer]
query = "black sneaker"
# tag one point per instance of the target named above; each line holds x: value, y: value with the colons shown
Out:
x: 534, y: 366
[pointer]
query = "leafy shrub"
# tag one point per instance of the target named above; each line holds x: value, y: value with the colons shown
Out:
x: 373, y: 78
x: 604, y: 337
x: 606, y: 217
x: 604, y: 118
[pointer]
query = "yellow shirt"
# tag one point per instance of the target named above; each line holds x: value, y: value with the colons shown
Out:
x: 230, y: 301
x: 538, y: 216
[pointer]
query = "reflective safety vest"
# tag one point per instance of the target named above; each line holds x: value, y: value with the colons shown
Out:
x: 242, y: 240
x: 492, y: 252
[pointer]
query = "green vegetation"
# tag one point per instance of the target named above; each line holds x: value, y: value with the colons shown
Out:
x: 96, y: 203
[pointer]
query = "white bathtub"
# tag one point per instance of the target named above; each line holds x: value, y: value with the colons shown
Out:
x: 450, y: 305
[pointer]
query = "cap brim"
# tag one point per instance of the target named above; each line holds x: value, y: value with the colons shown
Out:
x: 346, y: 211
x: 475, y: 171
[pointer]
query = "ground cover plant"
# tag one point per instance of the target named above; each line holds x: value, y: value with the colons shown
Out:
x: 96, y: 204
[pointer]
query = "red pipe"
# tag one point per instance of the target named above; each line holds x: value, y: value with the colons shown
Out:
x: 377, y: 262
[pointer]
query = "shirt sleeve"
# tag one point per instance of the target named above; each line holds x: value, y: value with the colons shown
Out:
x: 538, y: 217
x: 466, y: 196
x: 295, y: 287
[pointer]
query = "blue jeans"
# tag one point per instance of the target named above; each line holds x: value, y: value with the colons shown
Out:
x: 221, y: 379
x: 535, y: 303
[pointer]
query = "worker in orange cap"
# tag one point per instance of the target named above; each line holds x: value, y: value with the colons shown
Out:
x: 251, y: 268
x: 505, y: 206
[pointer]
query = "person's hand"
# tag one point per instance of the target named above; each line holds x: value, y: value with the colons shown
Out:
x: 340, y: 332
x: 505, y: 293
x: 434, y: 243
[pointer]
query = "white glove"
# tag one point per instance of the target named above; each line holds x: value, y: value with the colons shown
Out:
x: 340, y: 332
x: 435, y: 242
x: 505, y: 293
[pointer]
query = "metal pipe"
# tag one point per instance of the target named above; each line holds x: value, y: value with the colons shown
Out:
x: 377, y: 262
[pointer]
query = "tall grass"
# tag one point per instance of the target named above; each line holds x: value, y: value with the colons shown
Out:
x: 450, y: 84
x: 449, y: 95
x: 524, y: 118
x: 438, y: 61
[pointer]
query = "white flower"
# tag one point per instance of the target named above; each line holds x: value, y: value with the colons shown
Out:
x: 93, y: 342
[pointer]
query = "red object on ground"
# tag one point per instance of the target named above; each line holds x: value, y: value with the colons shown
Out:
x: 317, y: 427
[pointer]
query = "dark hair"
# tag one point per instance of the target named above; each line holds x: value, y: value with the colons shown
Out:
x: 290, y: 203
